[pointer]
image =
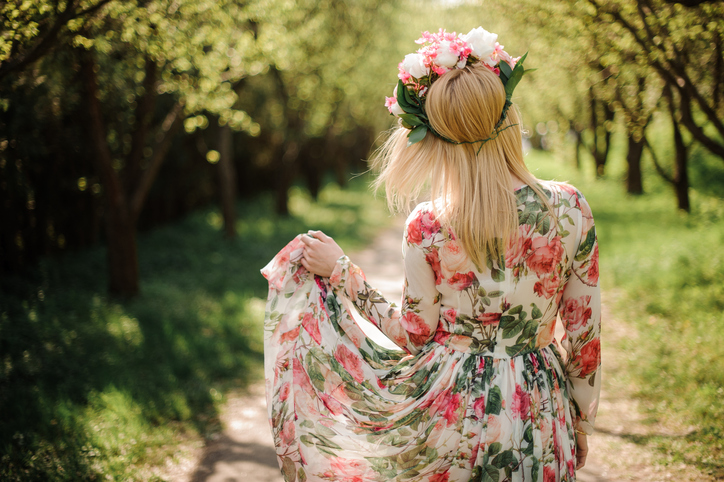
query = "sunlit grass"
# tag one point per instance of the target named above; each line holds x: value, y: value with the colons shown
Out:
x: 669, y: 268
x: 93, y: 388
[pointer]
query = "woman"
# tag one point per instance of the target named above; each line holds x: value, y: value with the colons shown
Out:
x: 480, y: 391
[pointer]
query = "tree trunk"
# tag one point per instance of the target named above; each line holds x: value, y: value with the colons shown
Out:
x: 634, y: 179
x: 681, y: 176
x: 227, y: 180
x: 122, y: 253
x: 120, y: 225
x: 285, y: 176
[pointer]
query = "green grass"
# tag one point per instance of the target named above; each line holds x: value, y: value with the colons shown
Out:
x: 93, y: 388
x: 668, y: 268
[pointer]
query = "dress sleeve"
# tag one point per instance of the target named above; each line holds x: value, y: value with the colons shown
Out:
x: 411, y: 327
x: 580, y: 311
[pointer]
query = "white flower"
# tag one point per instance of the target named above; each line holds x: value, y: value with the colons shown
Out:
x: 396, y: 109
x: 481, y: 41
x: 414, y: 66
x: 445, y: 57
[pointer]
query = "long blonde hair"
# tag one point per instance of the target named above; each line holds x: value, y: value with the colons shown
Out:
x: 471, y: 190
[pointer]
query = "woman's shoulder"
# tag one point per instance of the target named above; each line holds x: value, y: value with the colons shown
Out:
x: 422, y: 224
x: 562, y: 190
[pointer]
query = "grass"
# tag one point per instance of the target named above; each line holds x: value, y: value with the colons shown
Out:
x: 93, y: 388
x: 668, y: 268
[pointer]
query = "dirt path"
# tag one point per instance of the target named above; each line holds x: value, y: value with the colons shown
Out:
x: 244, y: 451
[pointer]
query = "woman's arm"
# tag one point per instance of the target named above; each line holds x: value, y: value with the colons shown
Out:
x: 580, y: 311
x: 411, y: 327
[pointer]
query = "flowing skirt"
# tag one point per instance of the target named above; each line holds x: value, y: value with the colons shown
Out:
x: 343, y: 408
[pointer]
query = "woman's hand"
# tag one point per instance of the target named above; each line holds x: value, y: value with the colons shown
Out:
x: 581, y: 450
x: 320, y: 253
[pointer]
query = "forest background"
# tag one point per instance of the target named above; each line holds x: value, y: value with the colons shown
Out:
x: 154, y: 154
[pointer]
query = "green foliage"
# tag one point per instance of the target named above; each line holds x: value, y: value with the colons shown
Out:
x: 93, y: 387
x: 666, y: 271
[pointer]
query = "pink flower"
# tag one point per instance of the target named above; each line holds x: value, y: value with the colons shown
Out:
x: 460, y: 281
x: 332, y: 404
x: 576, y: 313
x: 451, y: 406
x: 450, y: 315
x: 521, y: 403
x: 549, y: 475
x: 518, y: 248
x: 311, y: 325
x: 290, y: 335
x: 430, y: 226
x: 493, y: 429
x: 348, y: 470
x: 433, y: 259
x: 592, y: 273
x: 589, y: 358
x: 547, y: 287
x: 489, y: 318
x: 286, y: 435
x: 545, y: 255
x: 414, y: 232
x: 453, y: 258
x: 444, y: 477
x: 479, y: 407
x: 417, y: 328
x: 350, y: 362
x: 284, y: 392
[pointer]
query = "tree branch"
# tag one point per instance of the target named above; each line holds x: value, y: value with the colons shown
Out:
x: 164, y: 137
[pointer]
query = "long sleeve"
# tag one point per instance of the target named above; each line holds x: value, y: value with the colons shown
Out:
x: 580, y: 311
x: 414, y: 325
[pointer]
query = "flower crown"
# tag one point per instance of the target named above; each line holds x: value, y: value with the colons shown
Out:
x: 439, y: 54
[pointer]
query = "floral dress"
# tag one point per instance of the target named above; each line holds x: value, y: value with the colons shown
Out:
x: 478, y: 390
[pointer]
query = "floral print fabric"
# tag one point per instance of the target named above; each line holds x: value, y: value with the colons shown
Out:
x: 478, y: 390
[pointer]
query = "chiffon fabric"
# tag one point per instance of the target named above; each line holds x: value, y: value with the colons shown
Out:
x: 478, y: 389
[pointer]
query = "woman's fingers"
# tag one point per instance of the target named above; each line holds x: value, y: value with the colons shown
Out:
x: 581, y: 450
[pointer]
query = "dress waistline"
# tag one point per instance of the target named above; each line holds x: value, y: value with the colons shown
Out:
x: 486, y: 348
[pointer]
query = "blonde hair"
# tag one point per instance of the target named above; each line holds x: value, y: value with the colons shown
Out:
x: 471, y: 190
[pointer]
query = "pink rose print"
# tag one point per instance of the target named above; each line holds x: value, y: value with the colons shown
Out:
x: 433, y: 259
x: 592, y: 273
x: 429, y: 225
x: 444, y: 477
x: 461, y: 281
x: 576, y: 313
x: 546, y: 287
x: 545, y: 255
x: 417, y: 328
x: 489, y: 318
x: 287, y: 433
x: 348, y: 470
x: 350, y: 362
x: 290, y: 335
x: 310, y: 324
x: 518, y: 248
x: 479, y: 407
x: 450, y: 315
x: 521, y: 403
x: 451, y: 408
x: 549, y: 475
x: 284, y: 392
x: 590, y: 357
x: 453, y: 258
x: 414, y: 232
x: 493, y: 430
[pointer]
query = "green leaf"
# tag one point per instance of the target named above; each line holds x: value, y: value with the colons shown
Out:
x: 411, y: 119
x: 505, y: 71
x: 585, y: 249
x: 535, y: 312
x: 494, y: 448
x: 504, y: 459
x: 515, y: 77
x: 416, y: 135
x: 515, y: 310
x: 495, y: 401
x: 498, y: 275
x: 288, y: 470
x: 495, y: 294
x: 491, y: 474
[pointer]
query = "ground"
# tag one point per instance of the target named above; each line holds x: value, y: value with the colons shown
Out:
x: 244, y: 450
